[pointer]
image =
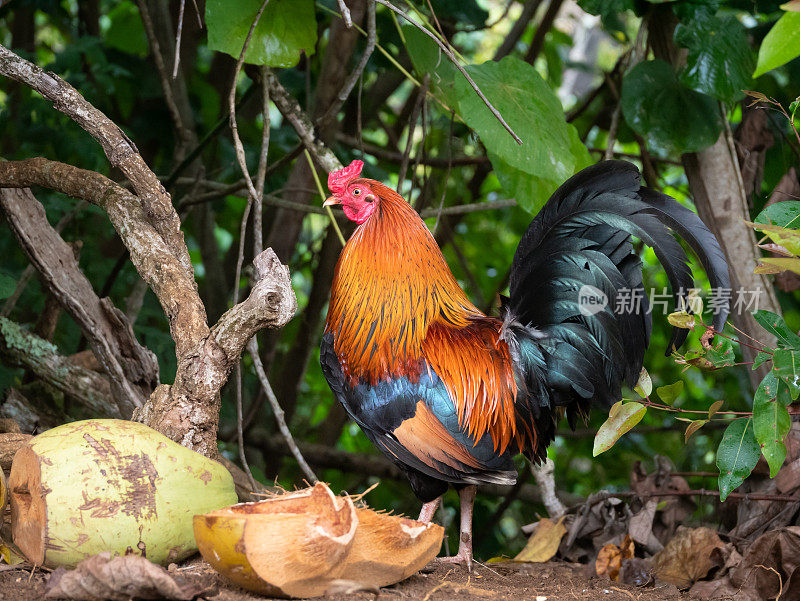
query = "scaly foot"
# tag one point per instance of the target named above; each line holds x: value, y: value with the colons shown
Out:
x: 464, y: 555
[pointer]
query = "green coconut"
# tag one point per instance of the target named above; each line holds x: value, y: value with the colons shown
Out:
x: 110, y: 485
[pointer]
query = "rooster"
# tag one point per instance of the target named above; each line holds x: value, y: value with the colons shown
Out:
x: 451, y: 395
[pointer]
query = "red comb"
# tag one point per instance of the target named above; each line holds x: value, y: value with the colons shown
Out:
x: 338, y: 180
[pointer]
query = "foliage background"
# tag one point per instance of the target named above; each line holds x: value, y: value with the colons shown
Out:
x: 100, y: 48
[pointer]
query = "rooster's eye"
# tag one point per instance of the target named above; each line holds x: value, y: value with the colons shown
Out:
x: 357, y: 192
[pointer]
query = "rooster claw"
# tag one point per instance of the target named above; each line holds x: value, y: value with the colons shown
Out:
x: 462, y: 558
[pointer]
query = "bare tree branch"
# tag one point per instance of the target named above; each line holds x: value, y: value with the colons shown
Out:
x: 121, y: 152
x: 131, y: 368
x: 278, y: 412
x: 27, y: 273
x: 350, y: 82
x: 348, y: 20
x: 154, y: 261
x: 397, y: 157
x: 161, y: 68
x: 271, y: 303
x: 187, y: 411
x: 88, y: 388
x: 294, y: 114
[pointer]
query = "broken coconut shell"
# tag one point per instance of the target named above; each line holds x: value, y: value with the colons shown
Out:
x: 297, y: 544
x: 290, y: 545
x: 390, y: 548
x: 110, y: 485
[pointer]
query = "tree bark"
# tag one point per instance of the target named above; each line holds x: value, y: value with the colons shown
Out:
x: 715, y: 181
x: 88, y: 388
x: 716, y: 185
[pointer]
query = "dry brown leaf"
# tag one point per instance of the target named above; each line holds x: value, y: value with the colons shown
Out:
x: 722, y: 589
x: 100, y: 578
x: 610, y: 558
x: 9, y: 554
x: 641, y: 527
x: 609, y: 562
x: 772, y: 562
x: 687, y: 557
x: 544, y: 541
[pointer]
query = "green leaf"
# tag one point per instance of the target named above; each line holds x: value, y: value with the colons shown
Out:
x: 609, y: 12
x: 551, y: 150
x: 783, y: 264
x: 786, y: 365
x: 780, y: 45
x: 681, y: 319
x: 7, y: 285
x: 661, y: 109
x: 285, y: 28
x: 784, y: 214
x: 775, y: 325
x: 720, y: 61
x: 621, y: 418
x: 771, y: 423
x: 721, y: 354
x: 693, y: 427
x: 737, y: 455
x: 787, y: 237
x: 761, y: 359
x: 644, y: 387
x: 715, y: 406
x: 670, y: 392
x: 428, y: 59
x: 784, y: 394
x: 766, y: 268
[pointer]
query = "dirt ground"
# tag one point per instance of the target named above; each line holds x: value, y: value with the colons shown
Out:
x: 553, y: 581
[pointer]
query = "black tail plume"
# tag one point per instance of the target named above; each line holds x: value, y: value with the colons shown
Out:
x: 580, y: 247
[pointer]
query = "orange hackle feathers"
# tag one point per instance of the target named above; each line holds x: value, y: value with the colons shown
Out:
x: 397, y: 310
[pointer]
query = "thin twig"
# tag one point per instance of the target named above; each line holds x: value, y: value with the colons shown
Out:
x: 412, y: 126
x: 348, y: 20
x: 254, y: 197
x: 292, y: 112
x: 397, y: 157
x: 240, y: 156
x: 261, y: 174
x: 177, y: 60
x: 170, y: 180
x: 252, y: 347
x: 163, y: 75
x: 197, y: 12
x: 702, y: 492
x: 322, y: 194
x: 446, y: 175
x: 352, y: 79
x: 458, y: 66
x: 239, y: 428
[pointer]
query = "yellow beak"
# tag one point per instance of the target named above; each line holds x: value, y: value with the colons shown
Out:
x: 331, y: 201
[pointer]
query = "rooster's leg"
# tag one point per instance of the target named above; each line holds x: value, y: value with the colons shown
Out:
x: 428, y: 510
x: 464, y: 555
